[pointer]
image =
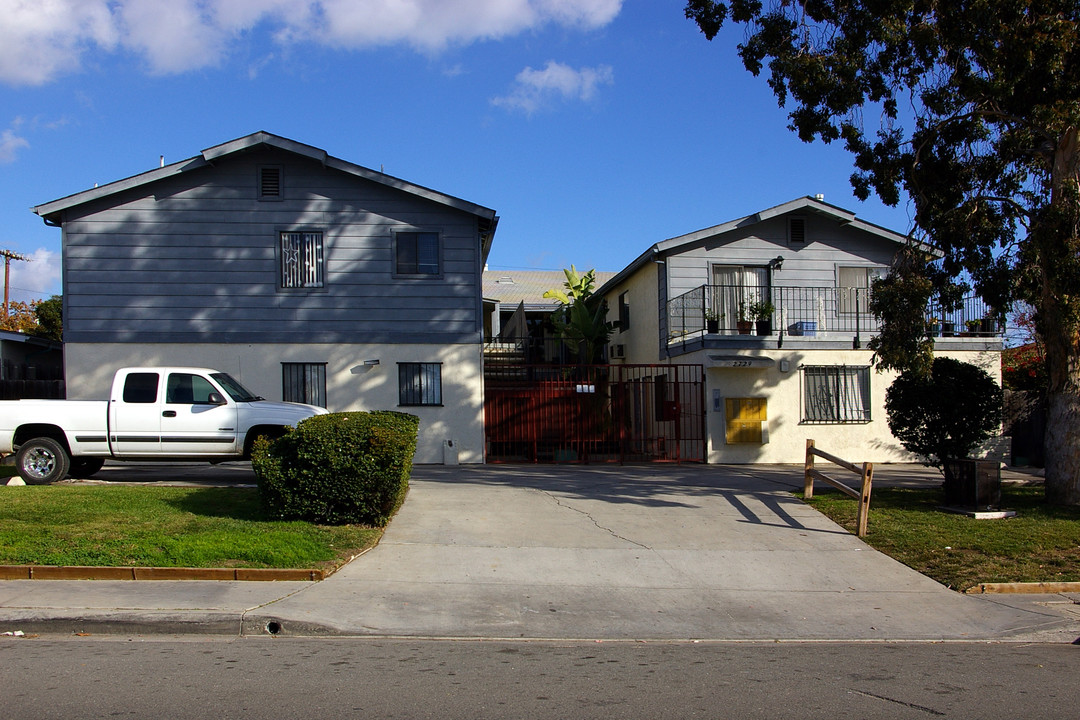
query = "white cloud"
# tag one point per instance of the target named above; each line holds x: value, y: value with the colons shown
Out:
x: 38, y: 278
x: 534, y: 89
x: 43, y: 39
x: 10, y: 143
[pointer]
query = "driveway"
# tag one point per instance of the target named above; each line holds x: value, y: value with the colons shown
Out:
x: 634, y: 552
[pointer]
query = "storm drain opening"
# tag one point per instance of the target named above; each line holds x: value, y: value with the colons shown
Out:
x: 273, y: 627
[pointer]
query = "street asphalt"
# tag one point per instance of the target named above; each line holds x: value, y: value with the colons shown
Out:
x: 607, y: 552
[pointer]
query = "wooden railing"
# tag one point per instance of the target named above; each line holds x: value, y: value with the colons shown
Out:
x: 863, y: 495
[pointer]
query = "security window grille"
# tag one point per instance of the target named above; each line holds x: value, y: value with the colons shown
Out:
x: 836, y: 394
x: 270, y: 183
x: 301, y: 259
x: 304, y: 383
x: 416, y: 253
x: 420, y: 383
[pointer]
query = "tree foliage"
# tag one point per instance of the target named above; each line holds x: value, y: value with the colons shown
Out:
x: 970, y: 109
x: 37, y: 317
x: 581, y: 322
x: 945, y: 413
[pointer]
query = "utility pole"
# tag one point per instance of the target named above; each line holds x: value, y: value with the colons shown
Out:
x: 8, y: 256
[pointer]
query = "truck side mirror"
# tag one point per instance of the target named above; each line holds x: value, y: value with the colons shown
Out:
x: 215, y: 399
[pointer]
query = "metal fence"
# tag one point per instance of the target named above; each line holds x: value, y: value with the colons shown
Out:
x: 594, y: 413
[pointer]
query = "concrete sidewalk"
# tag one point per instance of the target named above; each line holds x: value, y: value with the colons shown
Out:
x: 599, y: 552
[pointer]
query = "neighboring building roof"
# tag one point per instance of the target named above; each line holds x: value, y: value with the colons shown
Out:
x: 801, y: 205
x: 512, y: 287
x: 12, y: 336
x: 488, y: 219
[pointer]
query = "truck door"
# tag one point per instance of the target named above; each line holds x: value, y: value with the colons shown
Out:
x: 192, y: 423
x: 135, y: 416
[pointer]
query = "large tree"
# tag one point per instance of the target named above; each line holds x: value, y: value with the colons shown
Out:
x: 970, y: 109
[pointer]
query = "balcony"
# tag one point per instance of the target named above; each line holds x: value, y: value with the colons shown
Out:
x: 762, y: 316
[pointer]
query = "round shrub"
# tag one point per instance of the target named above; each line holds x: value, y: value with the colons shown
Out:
x: 945, y: 414
x: 339, y: 468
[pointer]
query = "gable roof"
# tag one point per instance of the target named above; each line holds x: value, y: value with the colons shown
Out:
x: 50, y: 211
x: 799, y: 205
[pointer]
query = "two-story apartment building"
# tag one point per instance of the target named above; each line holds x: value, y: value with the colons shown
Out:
x: 307, y: 277
x: 774, y: 305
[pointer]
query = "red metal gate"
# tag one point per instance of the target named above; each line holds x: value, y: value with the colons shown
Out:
x: 594, y: 413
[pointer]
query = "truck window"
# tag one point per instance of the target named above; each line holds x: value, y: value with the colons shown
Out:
x: 188, y: 389
x: 141, y: 388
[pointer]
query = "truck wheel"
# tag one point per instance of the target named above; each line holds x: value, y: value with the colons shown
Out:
x: 84, y: 467
x: 41, y: 461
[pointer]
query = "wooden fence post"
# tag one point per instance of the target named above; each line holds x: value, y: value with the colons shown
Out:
x: 808, y: 471
x: 864, y: 499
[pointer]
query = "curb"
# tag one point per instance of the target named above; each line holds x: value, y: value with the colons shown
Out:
x: 1033, y: 588
x: 68, y: 572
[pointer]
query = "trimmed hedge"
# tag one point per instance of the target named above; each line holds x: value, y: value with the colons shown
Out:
x: 339, y: 468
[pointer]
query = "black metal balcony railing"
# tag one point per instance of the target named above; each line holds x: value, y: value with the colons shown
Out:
x: 537, y: 351
x: 807, y: 312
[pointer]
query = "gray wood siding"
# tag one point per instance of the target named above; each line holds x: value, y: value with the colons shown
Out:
x: 194, y: 258
x: 828, y: 245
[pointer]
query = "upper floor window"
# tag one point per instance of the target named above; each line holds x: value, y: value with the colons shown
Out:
x: 736, y: 291
x: 624, y: 312
x: 270, y: 182
x: 301, y: 259
x: 417, y: 253
x: 854, y: 284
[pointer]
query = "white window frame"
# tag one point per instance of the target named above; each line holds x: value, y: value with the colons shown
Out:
x: 835, y: 394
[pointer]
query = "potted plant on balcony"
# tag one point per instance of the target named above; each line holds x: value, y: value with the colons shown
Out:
x: 972, y: 327
x: 762, y: 313
x: 746, y: 320
x: 933, y: 326
x: 712, y: 321
x: 988, y: 325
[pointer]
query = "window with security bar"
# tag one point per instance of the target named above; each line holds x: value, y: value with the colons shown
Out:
x: 304, y: 383
x: 834, y: 394
x: 302, y: 259
x: 420, y: 383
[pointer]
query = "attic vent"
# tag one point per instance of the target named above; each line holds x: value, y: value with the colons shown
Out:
x: 796, y: 231
x: 270, y: 182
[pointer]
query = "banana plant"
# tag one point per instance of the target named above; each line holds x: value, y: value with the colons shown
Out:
x: 581, y: 322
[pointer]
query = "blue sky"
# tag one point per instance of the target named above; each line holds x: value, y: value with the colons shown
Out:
x: 595, y: 128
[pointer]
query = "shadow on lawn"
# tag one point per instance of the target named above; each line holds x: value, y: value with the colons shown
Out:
x: 225, y: 502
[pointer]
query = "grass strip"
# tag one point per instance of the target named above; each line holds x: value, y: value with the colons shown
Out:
x: 1040, y: 544
x: 117, y: 526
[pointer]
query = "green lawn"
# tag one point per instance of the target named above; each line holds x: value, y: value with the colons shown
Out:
x: 1040, y: 544
x: 145, y: 526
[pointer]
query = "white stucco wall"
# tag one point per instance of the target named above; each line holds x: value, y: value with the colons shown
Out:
x: 786, y: 433
x: 350, y: 384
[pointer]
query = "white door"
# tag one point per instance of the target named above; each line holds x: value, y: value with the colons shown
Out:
x: 191, y: 424
x: 135, y: 416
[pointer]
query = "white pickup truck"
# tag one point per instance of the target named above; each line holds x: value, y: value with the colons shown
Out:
x: 172, y: 413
